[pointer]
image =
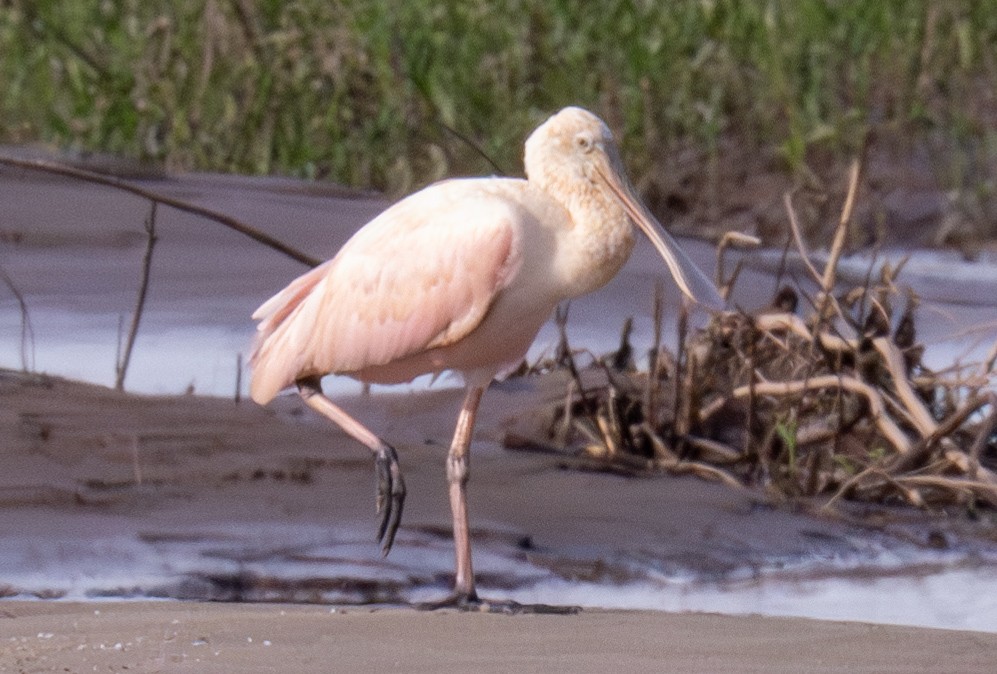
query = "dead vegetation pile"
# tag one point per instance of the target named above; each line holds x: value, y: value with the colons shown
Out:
x: 820, y: 395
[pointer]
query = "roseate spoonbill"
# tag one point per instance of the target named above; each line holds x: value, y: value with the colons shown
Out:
x: 460, y: 276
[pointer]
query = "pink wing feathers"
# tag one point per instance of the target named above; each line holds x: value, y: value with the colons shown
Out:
x: 421, y: 275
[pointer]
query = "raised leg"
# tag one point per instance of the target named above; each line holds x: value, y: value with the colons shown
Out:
x: 390, y: 485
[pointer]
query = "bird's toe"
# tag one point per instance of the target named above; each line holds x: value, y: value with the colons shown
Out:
x: 390, y: 496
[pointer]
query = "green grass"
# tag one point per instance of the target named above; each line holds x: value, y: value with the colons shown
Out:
x: 371, y: 93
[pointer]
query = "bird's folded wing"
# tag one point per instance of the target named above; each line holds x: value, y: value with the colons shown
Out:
x: 421, y: 275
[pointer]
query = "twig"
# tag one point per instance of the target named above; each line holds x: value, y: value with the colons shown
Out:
x: 988, y: 426
x: 718, y: 451
x: 661, y: 451
x: 654, y: 358
x: 975, y: 487
x: 731, y: 239
x: 118, y: 183
x: 678, y: 427
x: 894, y: 360
x: 470, y: 143
x: 27, y: 330
x: 563, y: 430
x: 988, y: 366
x: 886, y: 425
x: 922, y: 450
x: 775, y: 322
x: 794, y: 226
x: 840, y: 234
x: 238, y: 378
x: 122, y: 367
x: 701, y: 470
x: 566, y: 358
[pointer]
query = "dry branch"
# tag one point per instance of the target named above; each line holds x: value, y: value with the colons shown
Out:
x: 117, y: 183
x: 122, y: 366
x: 811, y: 397
x: 886, y: 425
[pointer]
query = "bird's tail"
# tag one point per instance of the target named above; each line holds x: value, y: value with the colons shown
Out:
x: 272, y: 367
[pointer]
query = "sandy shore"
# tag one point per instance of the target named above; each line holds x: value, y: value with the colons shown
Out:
x: 196, y: 637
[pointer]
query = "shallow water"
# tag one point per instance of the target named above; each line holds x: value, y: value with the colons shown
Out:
x: 325, y: 565
x: 175, y: 355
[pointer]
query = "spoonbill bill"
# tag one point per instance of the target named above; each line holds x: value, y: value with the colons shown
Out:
x: 460, y: 276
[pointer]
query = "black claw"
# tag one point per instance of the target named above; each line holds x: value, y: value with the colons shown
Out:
x: 473, y: 604
x: 390, y: 496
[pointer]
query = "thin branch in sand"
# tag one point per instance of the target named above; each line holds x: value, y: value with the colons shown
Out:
x: 565, y: 357
x: 238, y: 378
x: 27, y: 330
x: 122, y: 367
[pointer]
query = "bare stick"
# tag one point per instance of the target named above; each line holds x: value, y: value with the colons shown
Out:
x: 180, y: 205
x: 238, y: 378
x: 27, y: 331
x: 662, y: 452
x: 975, y: 487
x: 777, y: 322
x: 851, y: 483
x: 678, y: 425
x: 651, y: 392
x: 919, y: 414
x: 704, y: 471
x: 840, y: 234
x: 794, y: 226
x: 126, y: 355
x: 900, y: 442
x: 922, y: 450
x: 986, y: 428
x: 563, y: 429
x: 737, y: 240
x: 752, y: 416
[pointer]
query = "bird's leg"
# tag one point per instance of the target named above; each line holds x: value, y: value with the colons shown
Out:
x: 390, y: 485
x: 465, y: 597
x: 458, y: 461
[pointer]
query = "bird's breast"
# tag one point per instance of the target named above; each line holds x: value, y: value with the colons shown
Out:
x: 594, y: 248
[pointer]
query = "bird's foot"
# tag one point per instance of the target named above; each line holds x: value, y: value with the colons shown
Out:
x: 473, y: 604
x: 390, y: 495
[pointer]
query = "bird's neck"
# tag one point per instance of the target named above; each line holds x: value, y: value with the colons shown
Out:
x: 598, y: 240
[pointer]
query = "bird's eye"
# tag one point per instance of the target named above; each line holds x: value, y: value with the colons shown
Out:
x: 584, y: 142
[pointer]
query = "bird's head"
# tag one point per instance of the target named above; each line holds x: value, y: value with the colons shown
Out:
x: 569, y: 146
x: 575, y: 150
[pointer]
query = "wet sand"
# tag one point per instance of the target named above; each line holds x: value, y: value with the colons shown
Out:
x: 188, y: 637
x: 106, y: 495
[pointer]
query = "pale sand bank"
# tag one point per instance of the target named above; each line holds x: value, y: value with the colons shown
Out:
x: 199, y: 637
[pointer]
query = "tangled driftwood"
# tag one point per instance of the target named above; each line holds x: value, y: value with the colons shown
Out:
x: 820, y: 396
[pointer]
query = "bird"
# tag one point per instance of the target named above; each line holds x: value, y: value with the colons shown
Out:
x: 460, y: 276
